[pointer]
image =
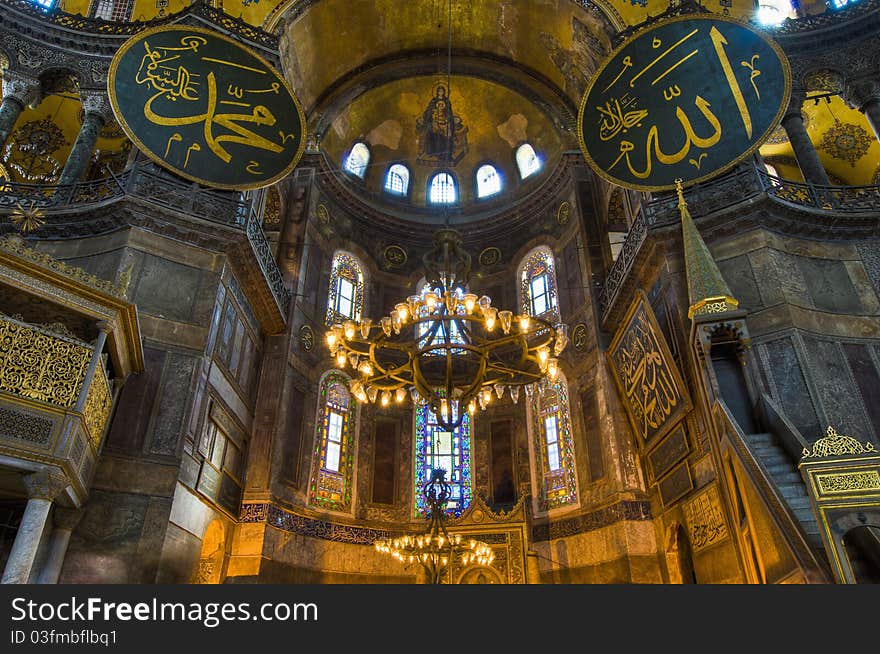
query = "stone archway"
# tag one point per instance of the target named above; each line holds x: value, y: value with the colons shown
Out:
x: 679, y: 559
x: 212, y: 558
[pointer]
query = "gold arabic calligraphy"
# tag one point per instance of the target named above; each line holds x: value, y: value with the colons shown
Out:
x: 163, y: 69
x: 620, y: 113
x: 647, y: 380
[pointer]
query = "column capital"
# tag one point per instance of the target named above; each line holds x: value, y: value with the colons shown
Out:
x: 96, y: 102
x: 21, y: 87
x: 45, y: 484
x: 858, y: 93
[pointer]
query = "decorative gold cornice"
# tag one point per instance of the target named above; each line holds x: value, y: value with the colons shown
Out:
x: 708, y: 293
x: 835, y: 444
x: 14, y: 244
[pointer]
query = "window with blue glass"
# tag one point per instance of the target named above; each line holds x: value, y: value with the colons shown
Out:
x: 527, y: 160
x: 488, y: 181
x: 357, y: 160
x: 44, y: 4
x: 397, y: 180
x: 442, y: 189
x: 436, y: 447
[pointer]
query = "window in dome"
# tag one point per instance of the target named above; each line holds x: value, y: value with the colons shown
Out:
x: 438, y: 448
x: 538, y: 284
x: 553, y: 446
x: 112, y: 10
x: 357, y: 160
x: 345, y: 300
x: 840, y: 4
x: 397, y: 180
x: 527, y: 160
x: 773, y: 12
x: 333, y: 460
x: 44, y: 4
x: 488, y: 181
x: 442, y: 189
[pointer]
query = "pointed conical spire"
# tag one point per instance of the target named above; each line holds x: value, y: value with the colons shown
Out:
x: 707, y: 291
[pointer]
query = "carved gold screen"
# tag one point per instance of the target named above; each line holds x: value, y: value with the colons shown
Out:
x: 650, y: 384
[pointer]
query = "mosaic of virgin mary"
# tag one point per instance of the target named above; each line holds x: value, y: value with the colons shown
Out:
x: 442, y: 135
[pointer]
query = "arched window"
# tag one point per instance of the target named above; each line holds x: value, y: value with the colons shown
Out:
x: 442, y: 189
x: 345, y: 300
x: 488, y: 181
x: 773, y: 12
x: 44, y: 4
x: 357, y: 159
x: 438, y: 448
x: 552, y: 445
x: 527, y: 160
x: 397, y: 179
x: 330, y: 485
x: 538, y: 284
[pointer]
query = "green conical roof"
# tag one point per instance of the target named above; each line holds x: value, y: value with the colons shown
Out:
x: 707, y: 290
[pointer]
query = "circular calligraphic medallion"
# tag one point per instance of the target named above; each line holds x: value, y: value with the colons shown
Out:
x: 579, y: 337
x: 685, y: 98
x: 306, y: 338
x: 205, y: 107
x: 563, y: 213
x: 394, y: 255
x: 323, y: 214
x: 490, y: 256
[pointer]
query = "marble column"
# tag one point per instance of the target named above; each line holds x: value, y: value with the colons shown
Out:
x: 96, y: 113
x: 42, y: 488
x: 804, y: 151
x: 18, y: 92
x: 65, y: 521
x: 865, y: 97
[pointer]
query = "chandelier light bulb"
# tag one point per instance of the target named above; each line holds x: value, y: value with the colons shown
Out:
x: 506, y: 317
x: 553, y: 368
x: 561, y: 338
x: 386, y: 398
x: 490, y: 314
x: 365, y: 368
x: 348, y: 328
x: 386, y: 325
x: 487, y: 395
x: 395, y: 321
x: 472, y: 407
x: 414, y: 302
x: 331, y: 339
x: 543, y: 355
x: 431, y: 300
x: 451, y: 301
x: 402, y: 311
x: 414, y: 394
x: 499, y: 390
x: 400, y: 395
x: 444, y: 409
x: 372, y: 392
x: 365, y: 328
x: 524, y: 320
x: 514, y: 394
x: 470, y: 301
x: 340, y: 358
x: 361, y: 395
x: 353, y: 360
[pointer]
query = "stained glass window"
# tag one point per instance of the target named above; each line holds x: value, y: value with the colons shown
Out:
x: 441, y: 331
x: 442, y: 190
x: 773, y: 12
x: 357, y: 160
x: 538, y: 284
x: 44, y: 4
x: 552, y: 445
x: 438, y: 448
x: 333, y: 461
x: 397, y: 179
x: 488, y: 181
x: 345, y: 300
x: 527, y: 160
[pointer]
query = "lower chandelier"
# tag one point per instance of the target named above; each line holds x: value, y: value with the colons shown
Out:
x: 446, y: 346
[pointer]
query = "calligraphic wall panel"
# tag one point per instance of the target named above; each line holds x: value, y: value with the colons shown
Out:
x: 649, y: 382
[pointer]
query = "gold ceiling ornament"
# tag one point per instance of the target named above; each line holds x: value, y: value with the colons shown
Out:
x: 437, y: 548
x: 447, y: 346
x: 27, y: 219
x: 835, y: 444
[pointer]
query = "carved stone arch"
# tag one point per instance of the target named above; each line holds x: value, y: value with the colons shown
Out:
x: 59, y: 79
x: 679, y: 556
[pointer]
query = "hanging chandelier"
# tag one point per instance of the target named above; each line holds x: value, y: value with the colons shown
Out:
x: 446, y: 346
x: 436, y: 548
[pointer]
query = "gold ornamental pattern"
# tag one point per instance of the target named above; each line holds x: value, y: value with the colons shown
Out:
x: 835, y: 444
x: 97, y: 409
x: 849, y: 482
x: 39, y: 366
